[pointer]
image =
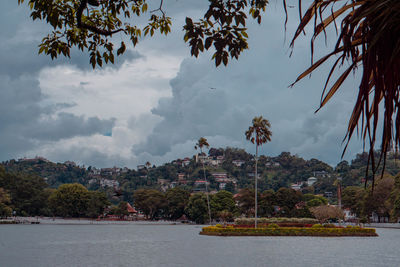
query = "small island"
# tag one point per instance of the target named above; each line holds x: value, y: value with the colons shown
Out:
x: 285, y: 227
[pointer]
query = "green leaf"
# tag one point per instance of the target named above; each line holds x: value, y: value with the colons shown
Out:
x: 122, y: 49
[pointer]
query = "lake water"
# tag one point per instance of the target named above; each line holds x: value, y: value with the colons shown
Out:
x: 181, y: 245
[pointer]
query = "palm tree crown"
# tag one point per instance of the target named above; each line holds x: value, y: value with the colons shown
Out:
x: 201, y: 143
x: 260, y: 129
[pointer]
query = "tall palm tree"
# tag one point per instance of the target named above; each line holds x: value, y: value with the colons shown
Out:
x: 259, y: 134
x: 148, y: 165
x: 199, y: 145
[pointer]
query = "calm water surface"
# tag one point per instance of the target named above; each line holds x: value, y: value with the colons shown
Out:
x: 181, y: 245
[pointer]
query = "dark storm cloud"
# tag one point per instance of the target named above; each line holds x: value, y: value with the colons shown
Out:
x: 66, y: 125
x: 255, y: 85
x: 25, y: 121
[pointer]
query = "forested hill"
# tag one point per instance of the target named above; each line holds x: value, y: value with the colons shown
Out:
x: 230, y: 169
x: 54, y: 174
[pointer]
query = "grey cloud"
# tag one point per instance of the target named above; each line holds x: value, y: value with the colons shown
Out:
x: 88, y: 156
x: 255, y: 85
x: 25, y: 123
x: 66, y: 125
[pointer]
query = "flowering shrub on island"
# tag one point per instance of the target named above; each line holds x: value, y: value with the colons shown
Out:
x: 275, y: 230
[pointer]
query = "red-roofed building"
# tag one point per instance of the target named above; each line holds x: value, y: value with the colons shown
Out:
x: 130, y: 209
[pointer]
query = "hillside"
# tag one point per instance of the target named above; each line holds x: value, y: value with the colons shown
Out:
x: 230, y: 169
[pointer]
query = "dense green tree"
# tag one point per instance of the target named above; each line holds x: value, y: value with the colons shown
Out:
x: 26, y: 192
x: 267, y: 202
x: 352, y: 198
x: 314, y: 200
x: 5, y: 200
x: 395, y: 199
x: 69, y: 200
x: 120, y: 210
x: 258, y: 133
x: 286, y: 199
x: 230, y: 187
x: 245, y: 199
x: 222, y: 201
x: 177, y: 198
x: 196, y: 209
x: 151, y: 202
x: 377, y: 200
x: 395, y: 212
x: 97, y: 202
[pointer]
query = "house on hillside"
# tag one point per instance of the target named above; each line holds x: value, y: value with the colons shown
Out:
x: 297, y: 186
x: 185, y: 162
x: 252, y: 174
x: 311, y: 181
x: 200, y: 185
x: 321, y: 174
x: 219, y: 175
x: 202, y: 158
x: 109, y: 183
x: 238, y: 162
x: 164, y: 184
x: 70, y: 163
x: 93, y: 171
x: 271, y: 164
x: 107, y: 171
x: 201, y: 182
x: 181, y: 176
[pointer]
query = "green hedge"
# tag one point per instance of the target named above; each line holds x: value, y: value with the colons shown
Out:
x: 250, y: 221
x: 287, y: 231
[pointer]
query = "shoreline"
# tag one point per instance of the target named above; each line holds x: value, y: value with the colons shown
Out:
x: 83, y: 221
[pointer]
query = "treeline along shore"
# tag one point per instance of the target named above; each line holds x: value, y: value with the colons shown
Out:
x: 288, y: 185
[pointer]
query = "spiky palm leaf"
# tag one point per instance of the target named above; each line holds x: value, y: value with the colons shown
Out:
x: 201, y: 143
x: 369, y: 38
x: 260, y: 130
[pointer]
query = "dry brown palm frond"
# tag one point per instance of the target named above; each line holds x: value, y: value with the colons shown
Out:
x: 369, y: 37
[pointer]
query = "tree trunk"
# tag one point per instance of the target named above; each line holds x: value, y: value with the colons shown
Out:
x: 255, y: 193
x: 208, y: 198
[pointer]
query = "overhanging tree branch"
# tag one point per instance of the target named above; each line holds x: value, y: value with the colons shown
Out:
x: 91, y: 28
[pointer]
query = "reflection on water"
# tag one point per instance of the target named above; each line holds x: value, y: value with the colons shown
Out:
x: 181, y: 245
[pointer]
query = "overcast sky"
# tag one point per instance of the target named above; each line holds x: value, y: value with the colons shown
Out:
x: 156, y: 101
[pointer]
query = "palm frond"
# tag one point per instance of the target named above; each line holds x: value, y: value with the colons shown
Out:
x: 369, y: 37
